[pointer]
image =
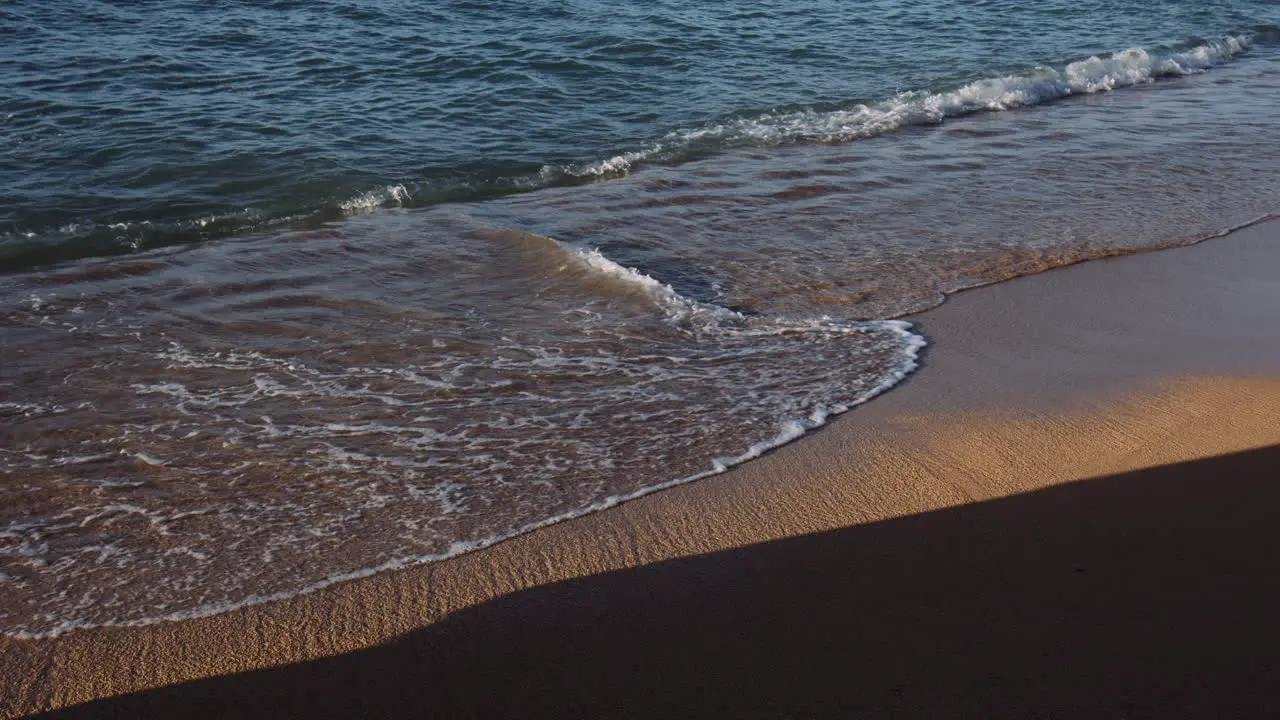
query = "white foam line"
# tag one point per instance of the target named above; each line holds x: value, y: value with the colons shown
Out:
x: 677, y: 306
x: 1099, y: 73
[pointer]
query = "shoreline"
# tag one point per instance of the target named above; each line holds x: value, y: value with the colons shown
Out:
x: 1112, y: 366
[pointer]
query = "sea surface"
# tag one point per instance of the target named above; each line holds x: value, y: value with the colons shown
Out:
x: 294, y: 291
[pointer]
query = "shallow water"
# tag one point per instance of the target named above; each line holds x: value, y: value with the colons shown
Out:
x: 238, y: 366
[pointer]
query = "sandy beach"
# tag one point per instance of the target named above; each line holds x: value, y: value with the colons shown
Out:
x: 1068, y: 511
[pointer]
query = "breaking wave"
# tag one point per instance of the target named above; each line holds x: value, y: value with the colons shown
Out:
x: 1045, y: 83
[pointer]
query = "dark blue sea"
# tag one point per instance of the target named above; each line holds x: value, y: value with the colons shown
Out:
x: 293, y: 292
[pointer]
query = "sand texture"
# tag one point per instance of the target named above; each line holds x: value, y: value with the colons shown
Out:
x: 1069, y: 511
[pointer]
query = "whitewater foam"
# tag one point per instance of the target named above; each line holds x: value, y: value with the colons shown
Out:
x: 1098, y: 73
x: 678, y: 308
x: 789, y: 431
x: 389, y: 196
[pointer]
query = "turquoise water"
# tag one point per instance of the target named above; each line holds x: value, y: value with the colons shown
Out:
x: 294, y: 292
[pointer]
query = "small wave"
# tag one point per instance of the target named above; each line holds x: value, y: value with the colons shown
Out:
x: 390, y: 196
x: 679, y: 309
x: 1098, y: 73
x: 25, y: 248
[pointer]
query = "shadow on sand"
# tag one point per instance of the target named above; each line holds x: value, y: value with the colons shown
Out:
x: 1154, y: 593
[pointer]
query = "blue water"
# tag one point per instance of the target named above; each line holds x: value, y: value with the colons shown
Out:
x: 295, y: 292
x: 207, y: 119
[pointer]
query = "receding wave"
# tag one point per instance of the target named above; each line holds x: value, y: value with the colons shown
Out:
x: 585, y: 384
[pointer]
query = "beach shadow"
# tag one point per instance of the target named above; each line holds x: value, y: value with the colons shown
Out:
x: 1153, y: 593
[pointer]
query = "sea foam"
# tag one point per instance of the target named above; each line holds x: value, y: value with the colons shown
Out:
x: 1045, y: 83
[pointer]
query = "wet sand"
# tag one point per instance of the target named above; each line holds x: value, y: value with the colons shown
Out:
x: 1067, y: 512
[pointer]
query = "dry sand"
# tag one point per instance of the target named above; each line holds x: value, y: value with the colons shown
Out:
x: 1068, y: 512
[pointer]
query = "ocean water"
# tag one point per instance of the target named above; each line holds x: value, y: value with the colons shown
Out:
x: 293, y: 292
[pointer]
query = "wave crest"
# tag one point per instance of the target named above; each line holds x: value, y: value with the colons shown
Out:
x: 1045, y: 83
